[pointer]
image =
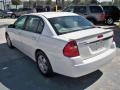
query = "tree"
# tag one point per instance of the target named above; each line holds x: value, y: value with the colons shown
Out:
x: 76, y: 1
x: 94, y: 2
x: 16, y: 2
x: 49, y: 2
x: 63, y: 3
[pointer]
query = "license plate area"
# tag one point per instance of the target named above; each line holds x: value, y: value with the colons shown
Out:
x: 97, y: 45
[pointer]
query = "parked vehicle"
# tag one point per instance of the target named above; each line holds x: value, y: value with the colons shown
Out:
x: 40, y: 9
x: 59, y: 8
x: 10, y: 12
x: 94, y: 13
x: 112, y: 14
x: 22, y: 11
x: 62, y: 42
x: 3, y: 14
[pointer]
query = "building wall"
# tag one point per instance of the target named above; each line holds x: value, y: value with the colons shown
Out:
x: 117, y: 2
x: 1, y: 5
x: 32, y: 3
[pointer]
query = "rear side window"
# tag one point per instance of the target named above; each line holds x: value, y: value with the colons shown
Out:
x: 69, y: 9
x: 107, y: 9
x: 80, y: 9
x: 116, y: 8
x: 40, y: 26
x: 95, y: 9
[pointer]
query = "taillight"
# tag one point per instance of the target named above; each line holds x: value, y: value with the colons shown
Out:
x: 113, y: 37
x: 100, y: 36
x: 103, y: 15
x: 71, y: 49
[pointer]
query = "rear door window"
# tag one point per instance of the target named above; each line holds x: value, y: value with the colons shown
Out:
x: 80, y: 9
x: 32, y: 23
x: 95, y: 9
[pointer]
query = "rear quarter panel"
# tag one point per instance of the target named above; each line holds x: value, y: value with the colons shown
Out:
x: 53, y: 48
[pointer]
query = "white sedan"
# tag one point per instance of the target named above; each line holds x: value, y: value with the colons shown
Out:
x: 62, y: 42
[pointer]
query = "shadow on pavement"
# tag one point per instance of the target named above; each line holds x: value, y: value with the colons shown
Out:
x: 117, y: 36
x: 3, y: 25
x: 18, y: 72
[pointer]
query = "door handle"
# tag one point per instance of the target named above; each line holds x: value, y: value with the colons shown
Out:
x: 33, y: 38
x: 85, y: 14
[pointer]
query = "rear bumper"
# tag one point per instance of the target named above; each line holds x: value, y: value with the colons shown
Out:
x: 91, y: 64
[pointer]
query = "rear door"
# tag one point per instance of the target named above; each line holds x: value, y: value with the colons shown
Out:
x: 33, y: 29
x: 96, y: 12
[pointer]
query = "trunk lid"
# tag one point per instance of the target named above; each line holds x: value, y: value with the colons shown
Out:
x: 91, y: 42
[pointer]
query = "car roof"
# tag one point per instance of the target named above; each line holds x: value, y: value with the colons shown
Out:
x: 54, y: 14
x: 109, y: 5
x: 86, y: 5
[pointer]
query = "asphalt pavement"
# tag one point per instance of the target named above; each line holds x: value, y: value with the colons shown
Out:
x: 19, y: 72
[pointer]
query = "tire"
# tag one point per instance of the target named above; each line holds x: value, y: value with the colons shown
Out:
x: 9, y: 43
x: 13, y: 16
x: 44, y: 65
x: 109, y: 21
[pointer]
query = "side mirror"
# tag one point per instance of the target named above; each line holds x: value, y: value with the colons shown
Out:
x: 11, y: 26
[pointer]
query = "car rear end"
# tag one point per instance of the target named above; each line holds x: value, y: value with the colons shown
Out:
x: 3, y: 14
x: 85, y: 49
x: 112, y: 11
x: 90, y: 52
x: 97, y: 12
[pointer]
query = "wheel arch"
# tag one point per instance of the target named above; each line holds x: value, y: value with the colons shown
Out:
x: 37, y: 50
x: 13, y: 14
x: 6, y: 33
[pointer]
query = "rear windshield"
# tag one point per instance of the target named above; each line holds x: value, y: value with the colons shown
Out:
x: 107, y: 9
x: 110, y: 8
x: 67, y: 24
x: 96, y: 9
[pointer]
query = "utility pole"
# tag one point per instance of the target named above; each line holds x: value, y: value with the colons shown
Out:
x: 76, y: 2
x: 3, y: 4
x: 29, y: 4
x: 63, y: 4
x: 56, y: 6
x: 112, y: 2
